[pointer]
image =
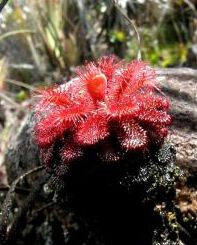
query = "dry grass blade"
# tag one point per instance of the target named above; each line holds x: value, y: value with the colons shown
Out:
x: 10, y: 101
x: 16, y: 32
x: 8, y: 201
x: 20, y: 84
x: 132, y: 23
x: 51, y: 28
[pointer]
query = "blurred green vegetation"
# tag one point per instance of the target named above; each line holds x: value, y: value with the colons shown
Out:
x: 44, y: 40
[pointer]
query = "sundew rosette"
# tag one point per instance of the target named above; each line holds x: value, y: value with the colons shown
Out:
x: 110, y: 108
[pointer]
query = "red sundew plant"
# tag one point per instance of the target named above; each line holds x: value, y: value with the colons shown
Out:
x: 110, y: 106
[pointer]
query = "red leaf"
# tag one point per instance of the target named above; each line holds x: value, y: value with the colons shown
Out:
x: 109, y: 65
x: 53, y: 96
x: 55, y: 124
x: 50, y: 128
x: 132, y: 137
x: 155, y: 118
x: 123, y: 109
x: 95, y: 128
x: 151, y: 102
x: 70, y: 152
x: 134, y: 77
